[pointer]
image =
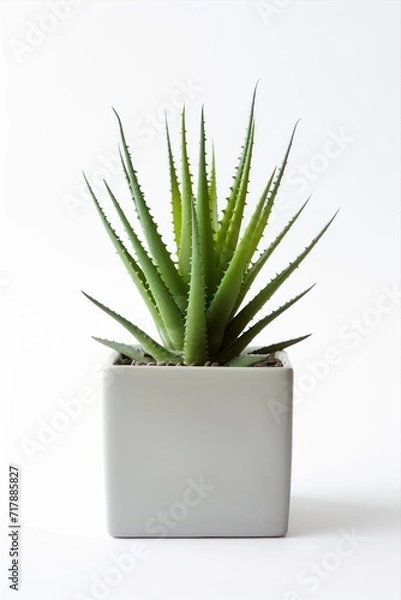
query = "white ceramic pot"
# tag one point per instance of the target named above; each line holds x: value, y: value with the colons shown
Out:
x: 198, y: 451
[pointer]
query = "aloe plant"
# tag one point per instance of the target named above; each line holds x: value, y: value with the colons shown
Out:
x: 199, y: 300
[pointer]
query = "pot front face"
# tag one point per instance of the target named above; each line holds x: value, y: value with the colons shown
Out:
x: 198, y: 451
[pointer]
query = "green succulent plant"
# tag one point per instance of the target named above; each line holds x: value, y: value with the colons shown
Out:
x: 198, y: 301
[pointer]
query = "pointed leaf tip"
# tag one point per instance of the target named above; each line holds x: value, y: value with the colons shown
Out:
x: 255, y: 91
x: 115, y: 112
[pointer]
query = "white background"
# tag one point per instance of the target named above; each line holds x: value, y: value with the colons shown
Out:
x: 336, y: 65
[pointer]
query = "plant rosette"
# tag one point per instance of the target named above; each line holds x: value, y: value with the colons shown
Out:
x: 166, y: 429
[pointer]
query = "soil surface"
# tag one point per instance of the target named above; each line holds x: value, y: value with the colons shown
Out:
x: 269, y: 361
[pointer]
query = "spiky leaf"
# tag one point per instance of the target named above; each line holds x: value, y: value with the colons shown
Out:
x: 229, y: 244
x: 234, y: 347
x: 248, y: 360
x: 195, y: 346
x: 226, y: 297
x: 149, y: 345
x: 204, y: 224
x: 242, y: 319
x: 132, y: 352
x: 231, y: 200
x: 184, y: 255
x: 213, y: 193
x: 280, y: 345
x: 156, y: 245
x: 172, y: 319
x: 129, y: 262
x: 176, y: 201
x: 255, y: 269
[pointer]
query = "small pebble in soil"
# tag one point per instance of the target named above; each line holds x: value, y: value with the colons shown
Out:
x: 269, y: 362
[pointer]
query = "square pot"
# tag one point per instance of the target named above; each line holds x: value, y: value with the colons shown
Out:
x: 198, y: 451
